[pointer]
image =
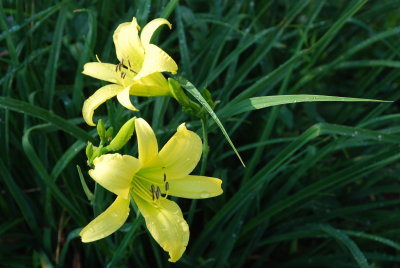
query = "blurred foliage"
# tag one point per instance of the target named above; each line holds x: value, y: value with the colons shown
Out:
x: 321, y: 186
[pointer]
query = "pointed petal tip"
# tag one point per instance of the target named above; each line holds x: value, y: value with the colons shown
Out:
x: 124, y: 99
x: 175, y: 256
x: 151, y: 27
x: 182, y: 127
x: 99, y: 97
x: 107, y: 222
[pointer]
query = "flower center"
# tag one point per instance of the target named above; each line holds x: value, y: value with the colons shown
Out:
x: 150, y: 189
x: 125, y: 72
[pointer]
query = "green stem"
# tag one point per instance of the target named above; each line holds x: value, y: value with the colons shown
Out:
x: 203, y: 164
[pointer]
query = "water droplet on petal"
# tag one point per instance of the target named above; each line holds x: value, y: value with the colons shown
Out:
x: 185, y: 227
x: 204, y: 195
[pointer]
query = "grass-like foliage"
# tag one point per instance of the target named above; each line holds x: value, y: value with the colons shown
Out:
x: 321, y: 183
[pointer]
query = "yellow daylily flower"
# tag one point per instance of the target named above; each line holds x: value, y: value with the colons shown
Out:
x: 149, y: 180
x: 138, y: 71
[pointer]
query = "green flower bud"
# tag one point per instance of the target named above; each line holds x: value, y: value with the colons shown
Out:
x: 89, y: 150
x: 101, y: 130
x: 123, y: 136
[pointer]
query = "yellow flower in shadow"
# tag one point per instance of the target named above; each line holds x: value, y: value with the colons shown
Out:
x: 138, y: 71
x: 149, y: 180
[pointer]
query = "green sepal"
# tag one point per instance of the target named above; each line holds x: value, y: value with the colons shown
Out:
x: 208, y: 97
x: 188, y: 106
x: 177, y: 92
x: 123, y: 136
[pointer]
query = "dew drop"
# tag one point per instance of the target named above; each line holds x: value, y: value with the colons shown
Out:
x: 379, y: 137
x: 114, y: 215
x: 185, y: 228
x: 91, y: 230
x: 204, y: 195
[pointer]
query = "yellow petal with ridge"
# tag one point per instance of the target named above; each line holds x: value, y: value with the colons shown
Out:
x: 194, y: 187
x: 154, y: 84
x: 147, y: 141
x: 107, y: 222
x: 156, y: 60
x: 177, y: 158
x: 181, y: 154
x: 102, y: 71
x: 128, y: 45
x: 115, y: 172
x: 166, y: 224
x: 99, y: 97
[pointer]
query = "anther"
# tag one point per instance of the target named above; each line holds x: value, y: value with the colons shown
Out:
x: 123, y: 74
x: 129, y: 63
x: 165, y: 177
x: 117, y: 67
x: 166, y: 186
x: 152, y: 190
x: 158, y: 192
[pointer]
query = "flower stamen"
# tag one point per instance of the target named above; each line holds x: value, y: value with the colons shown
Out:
x: 152, y: 190
x: 167, y: 187
x: 158, y: 193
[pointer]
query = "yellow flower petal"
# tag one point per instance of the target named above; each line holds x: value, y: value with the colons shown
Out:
x: 147, y: 142
x: 181, y: 153
x: 107, y: 222
x: 125, y: 100
x: 102, y: 71
x: 150, y: 28
x: 195, y: 187
x: 99, y: 97
x: 177, y: 158
x: 115, y: 172
x: 152, y: 85
x: 128, y: 45
x: 156, y: 60
x: 166, y: 224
